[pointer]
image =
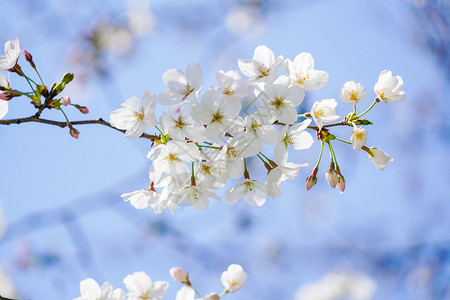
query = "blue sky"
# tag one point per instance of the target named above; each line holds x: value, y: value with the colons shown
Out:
x: 61, y: 197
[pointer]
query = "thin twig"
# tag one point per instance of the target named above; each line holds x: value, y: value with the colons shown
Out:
x: 64, y: 124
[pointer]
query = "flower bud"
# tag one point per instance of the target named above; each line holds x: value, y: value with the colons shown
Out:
x: 179, y: 274
x: 82, y: 109
x: 332, y: 177
x: 74, y: 133
x: 29, y: 58
x: 310, y: 181
x: 212, y: 296
x: 68, y: 77
x: 341, y: 183
x: 65, y: 100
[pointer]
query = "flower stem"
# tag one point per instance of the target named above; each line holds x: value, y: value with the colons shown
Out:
x: 343, y: 141
x: 370, y: 107
x: 65, y: 116
x: 39, y: 75
x: 320, y: 156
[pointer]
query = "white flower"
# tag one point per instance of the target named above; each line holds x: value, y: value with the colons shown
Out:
x: 196, y: 195
x: 12, y: 52
x: 230, y: 84
x: 379, y: 158
x: 4, y: 96
x: 253, y: 192
x: 185, y: 293
x: 169, y: 161
x: 179, y: 124
x: 140, y: 287
x: 233, y: 278
x: 211, y: 171
x: 90, y: 290
x: 388, y: 87
x: 263, y: 67
x: 352, y: 92
x: 301, y: 72
x: 219, y: 113
x: 179, y: 274
x: 282, y: 172
x: 133, y: 118
x: 279, y: 100
x: 296, y: 137
x: 358, y: 138
x: 257, y: 127
x: 141, y: 199
x: 181, y: 87
x: 324, y: 111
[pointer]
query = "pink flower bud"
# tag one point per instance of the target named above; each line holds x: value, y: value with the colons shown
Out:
x: 179, y: 274
x: 84, y: 109
x: 74, y: 133
x: 65, y: 100
x: 341, y: 183
x: 332, y: 177
x: 310, y: 181
x: 29, y: 58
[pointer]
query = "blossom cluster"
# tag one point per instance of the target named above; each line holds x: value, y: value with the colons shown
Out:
x: 140, y: 286
x: 206, y: 140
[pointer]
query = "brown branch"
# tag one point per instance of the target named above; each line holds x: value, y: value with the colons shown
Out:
x: 36, y: 119
x: 342, y: 123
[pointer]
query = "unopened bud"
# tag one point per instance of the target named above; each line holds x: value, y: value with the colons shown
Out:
x: 341, y: 183
x: 179, y: 274
x: 68, y: 77
x: 29, y: 58
x: 65, y: 100
x: 212, y: 296
x: 332, y: 177
x: 310, y: 181
x: 74, y: 133
x: 82, y: 109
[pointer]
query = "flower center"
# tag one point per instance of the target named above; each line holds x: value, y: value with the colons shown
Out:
x: 139, y: 115
x: 180, y: 123
x: 359, y: 135
x: 217, y: 116
x: 381, y: 93
x: 144, y: 296
x: 319, y: 113
x: 172, y: 158
x: 301, y: 78
x: 228, y: 90
x: 249, y: 187
x: 206, y: 169
x: 186, y: 91
x: 278, y: 102
x: 255, y: 126
x: 353, y: 95
x: 263, y: 71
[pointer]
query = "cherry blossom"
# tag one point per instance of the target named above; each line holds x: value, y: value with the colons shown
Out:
x: 140, y: 286
x: 301, y: 72
x: 379, y: 158
x: 358, y: 138
x: 352, y: 92
x: 135, y: 118
x: 233, y: 279
x: 141, y: 199
x: 388, y: 87
x: 263, y: 67
x: 90, y: 290
x: 219, y: 113
x: 324, y: 111
x: 181, y: 87
x: 253, y: 192
x: 279, y: 100
x: 12, y: 52
x: 282, y: 172
x: 296, y: 137
x: 179, y: 124
x: 230, y: 84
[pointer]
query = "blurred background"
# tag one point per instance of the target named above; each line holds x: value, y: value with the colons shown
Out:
x: 62, y: 218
